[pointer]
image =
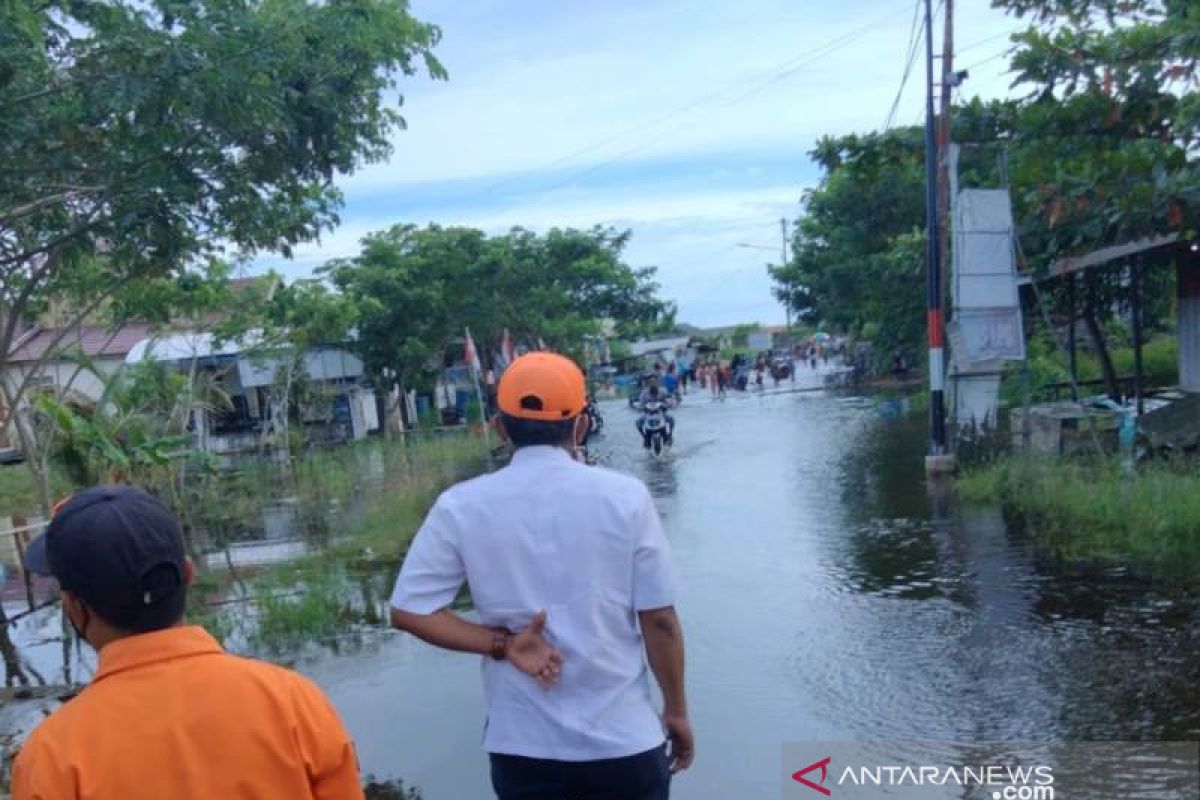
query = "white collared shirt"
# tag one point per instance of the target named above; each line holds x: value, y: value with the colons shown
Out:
x: 586, y: 545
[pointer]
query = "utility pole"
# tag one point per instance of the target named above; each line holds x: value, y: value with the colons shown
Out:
x: 938, y: 460
x: 949, y: 81
x: 787, y: 303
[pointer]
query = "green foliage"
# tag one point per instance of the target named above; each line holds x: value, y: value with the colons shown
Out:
x: 741, y: 333
x: 417, y: 288
x: 1096, y: 511
x: 279, y: 333
x: 141, y: 138
x: 620, y: 349
x: 19, y: 492
x: 663, y: 323
x: 287, y: 613
x: 858, y: 253
x: 307, y: 313
x: 1104, y: 149
x: 135, y: 433
x: 317, y: 595
x: 378, y: 789
x: 1048, y: 365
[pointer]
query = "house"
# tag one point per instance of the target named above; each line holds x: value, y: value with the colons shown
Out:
x: 75, y: 358
x: 85, y: 356
x: 345, y: 409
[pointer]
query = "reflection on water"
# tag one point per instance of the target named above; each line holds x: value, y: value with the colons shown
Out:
x: 828, y: 594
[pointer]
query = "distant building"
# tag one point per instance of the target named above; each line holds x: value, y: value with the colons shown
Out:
x: 757, y: 341
x: 248, y: 380
x: 103, y: 352
x: 671, y: 347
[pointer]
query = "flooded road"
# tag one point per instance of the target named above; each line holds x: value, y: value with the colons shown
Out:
x: 826, y: 594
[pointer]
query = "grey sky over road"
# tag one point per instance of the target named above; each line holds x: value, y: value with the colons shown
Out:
x: 687, y: 122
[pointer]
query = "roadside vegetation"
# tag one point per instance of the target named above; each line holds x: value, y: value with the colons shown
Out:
x: 19, y: 492
x: 1097, y: 148
x: 365, y: 504
x: 1094, y: 510
x: 1049, y: 367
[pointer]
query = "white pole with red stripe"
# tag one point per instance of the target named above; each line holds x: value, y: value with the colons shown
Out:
x: 937, y: 460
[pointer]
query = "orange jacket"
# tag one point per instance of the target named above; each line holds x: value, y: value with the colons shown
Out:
x: 169, y: 714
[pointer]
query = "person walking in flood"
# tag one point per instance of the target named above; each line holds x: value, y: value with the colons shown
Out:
x: 168, y: 712
x: 570, y: 572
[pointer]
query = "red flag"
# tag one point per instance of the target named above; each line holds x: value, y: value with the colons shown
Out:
x: 471, y: 356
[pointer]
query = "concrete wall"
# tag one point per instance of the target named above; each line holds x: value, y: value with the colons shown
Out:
x: 86, y: 384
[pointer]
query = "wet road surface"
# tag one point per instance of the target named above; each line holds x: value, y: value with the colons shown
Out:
x: 827, y: 595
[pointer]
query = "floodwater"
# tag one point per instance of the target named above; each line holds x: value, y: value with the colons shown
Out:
x: 827, y: 594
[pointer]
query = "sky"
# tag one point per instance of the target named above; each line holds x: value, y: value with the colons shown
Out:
x: 685, y: 122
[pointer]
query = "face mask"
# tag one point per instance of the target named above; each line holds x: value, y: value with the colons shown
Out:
x: 81, y: 631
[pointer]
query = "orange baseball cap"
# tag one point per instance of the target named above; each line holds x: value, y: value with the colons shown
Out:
x: 542, y: 386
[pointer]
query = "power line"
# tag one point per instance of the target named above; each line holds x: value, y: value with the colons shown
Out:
x: 988, y: 40
x: 987, y: 60
x: 915, y: 36
x: 811, y: 57
x: 781, y: 72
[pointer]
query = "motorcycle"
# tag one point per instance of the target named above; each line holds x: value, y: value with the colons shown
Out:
x: 655, y: 427
x: 595, y: 421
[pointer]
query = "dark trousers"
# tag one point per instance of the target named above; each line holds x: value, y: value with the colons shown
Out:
x: 645, y: 776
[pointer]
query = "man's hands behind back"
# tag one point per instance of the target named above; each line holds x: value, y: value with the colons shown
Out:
x: 529, y: 652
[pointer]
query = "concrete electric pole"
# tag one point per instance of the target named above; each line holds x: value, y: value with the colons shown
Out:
x: 939, y: 459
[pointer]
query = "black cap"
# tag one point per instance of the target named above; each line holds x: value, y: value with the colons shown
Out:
x: 119, y: 550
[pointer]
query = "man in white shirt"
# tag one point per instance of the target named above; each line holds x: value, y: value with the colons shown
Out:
x: 573, y: 558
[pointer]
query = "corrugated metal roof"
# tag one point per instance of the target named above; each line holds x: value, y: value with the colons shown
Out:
x: 95, y: 341
x: 188, y: 345
x: 1100, y: 257
x: 658, y: 345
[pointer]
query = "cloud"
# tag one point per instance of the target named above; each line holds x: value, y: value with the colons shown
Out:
x: 686, y: 121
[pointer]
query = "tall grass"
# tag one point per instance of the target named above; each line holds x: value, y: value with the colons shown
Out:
x: 1094, y: 510
x: 343, y: 583
x: 1048, y: 365
x: 18, y: 491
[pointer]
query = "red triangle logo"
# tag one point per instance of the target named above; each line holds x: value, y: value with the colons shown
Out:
x: 822, y: 765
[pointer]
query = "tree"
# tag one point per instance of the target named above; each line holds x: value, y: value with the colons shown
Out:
x: 142, y: 138
x: 1104, y: 145
x: 853, y: 263
x: 1106, y: 141
x: 193, y: 297
x: 403, y: 285
x: 665, y: 323
x: 560, y: 285
x: 416, y: 289
x: 298, y: 317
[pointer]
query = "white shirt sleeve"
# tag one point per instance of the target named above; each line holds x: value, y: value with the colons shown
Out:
x: 653, y: 572
x: 433, y: 571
